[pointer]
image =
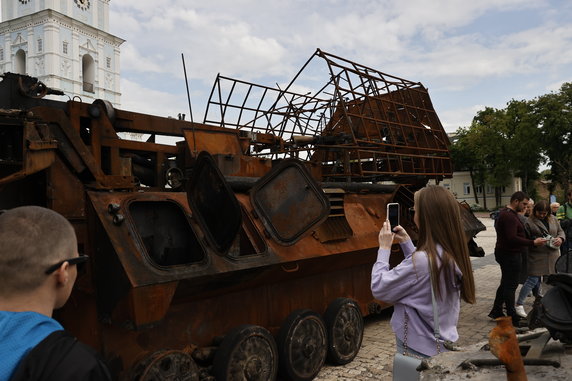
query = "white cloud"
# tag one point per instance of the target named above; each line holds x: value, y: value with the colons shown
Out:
x: 138, y: 98
x: 447, y: 43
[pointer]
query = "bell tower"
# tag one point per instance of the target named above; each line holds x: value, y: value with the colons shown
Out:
x: 64, y: 43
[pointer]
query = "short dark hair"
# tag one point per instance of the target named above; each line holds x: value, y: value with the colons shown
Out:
x: 32, y: 239
x: 519, y: 196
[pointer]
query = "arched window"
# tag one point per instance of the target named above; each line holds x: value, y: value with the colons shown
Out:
x: 20, y: 62
x: 88, y: 73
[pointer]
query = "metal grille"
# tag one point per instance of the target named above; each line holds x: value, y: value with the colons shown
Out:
x: 361, y: 125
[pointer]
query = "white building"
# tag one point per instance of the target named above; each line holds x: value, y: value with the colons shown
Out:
x: 65, y: 44
x: 462, y: 188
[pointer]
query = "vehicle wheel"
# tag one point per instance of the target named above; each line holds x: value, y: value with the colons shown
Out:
x: 171, y: 365
x: 141, y: 364
x: 248, y: 352
x: 302, y: 345
x: 344, y: 324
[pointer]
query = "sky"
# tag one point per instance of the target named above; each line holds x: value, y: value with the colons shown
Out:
x: 469, y: 54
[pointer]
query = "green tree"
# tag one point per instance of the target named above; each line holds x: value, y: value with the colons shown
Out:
x: 554, y: 112
x: 464, y: 156
x: 523, y: 135
x: 491, y: 141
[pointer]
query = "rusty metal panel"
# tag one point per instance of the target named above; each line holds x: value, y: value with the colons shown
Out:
x: 289, y: 202
x: 25, y: 147
x: 213, y: 140
x: 471, y: 223
x: 213, y: 203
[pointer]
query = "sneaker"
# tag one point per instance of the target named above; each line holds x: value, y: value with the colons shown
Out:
x: 520, y: 311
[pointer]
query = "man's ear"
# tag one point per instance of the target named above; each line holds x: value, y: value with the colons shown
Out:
x: 62, y: 274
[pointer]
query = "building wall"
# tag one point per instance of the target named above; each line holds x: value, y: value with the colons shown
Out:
x: 56, y: 37
x: 461, y: 186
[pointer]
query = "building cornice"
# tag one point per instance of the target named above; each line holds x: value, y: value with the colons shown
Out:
x: 49, y: 16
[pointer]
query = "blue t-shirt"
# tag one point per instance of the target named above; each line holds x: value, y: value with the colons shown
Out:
x: 20, y: 332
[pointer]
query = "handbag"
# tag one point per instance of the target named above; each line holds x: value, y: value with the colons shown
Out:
x: 405, y: 366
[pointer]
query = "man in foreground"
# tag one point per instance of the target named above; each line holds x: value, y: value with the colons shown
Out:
x: 38, y: 267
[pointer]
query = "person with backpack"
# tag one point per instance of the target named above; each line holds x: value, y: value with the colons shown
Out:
x: 38, y: 268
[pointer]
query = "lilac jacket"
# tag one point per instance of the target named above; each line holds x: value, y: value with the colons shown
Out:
x: 407, y: 286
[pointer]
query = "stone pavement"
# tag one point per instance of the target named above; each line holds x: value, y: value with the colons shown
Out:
x: 374, y: 361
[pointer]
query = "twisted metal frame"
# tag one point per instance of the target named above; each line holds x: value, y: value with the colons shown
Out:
x: 361, y: 125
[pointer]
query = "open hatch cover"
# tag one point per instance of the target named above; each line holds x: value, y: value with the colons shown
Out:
x: 213, y: 203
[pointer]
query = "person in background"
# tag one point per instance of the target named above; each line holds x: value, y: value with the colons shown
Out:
x: 523, y: 216
x: 554, y: 208
x: 541, y: 259
x: 38, y: 268
x: 441, y: 258
x: 511, y: 239
x: 527, y: 212
x: 564, y: 215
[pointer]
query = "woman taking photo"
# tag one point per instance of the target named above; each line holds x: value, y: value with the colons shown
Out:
x: 441, y: 259
x: 541, y: 260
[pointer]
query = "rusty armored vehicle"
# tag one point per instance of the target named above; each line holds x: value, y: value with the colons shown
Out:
x: 243, y: 249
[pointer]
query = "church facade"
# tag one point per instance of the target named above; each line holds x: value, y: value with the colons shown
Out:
x: 65, y: 44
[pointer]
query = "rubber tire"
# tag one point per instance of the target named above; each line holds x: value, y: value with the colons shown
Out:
x: 237, y: 337
x: 343, y: 308
x: 286, y: 340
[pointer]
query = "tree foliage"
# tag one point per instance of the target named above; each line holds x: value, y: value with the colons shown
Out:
x: 554, y: 112
x: 515, y: 140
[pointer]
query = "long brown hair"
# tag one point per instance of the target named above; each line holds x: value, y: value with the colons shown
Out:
x: 439, y: 219
x: 541, y: 206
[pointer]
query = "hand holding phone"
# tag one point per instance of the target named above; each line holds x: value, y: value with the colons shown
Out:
x: 393, y: 212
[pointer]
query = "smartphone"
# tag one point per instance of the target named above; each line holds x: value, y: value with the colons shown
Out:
x: 393, y: 214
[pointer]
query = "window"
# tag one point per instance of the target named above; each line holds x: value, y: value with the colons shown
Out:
x: 88, y: 73
x: 479, y: 189
x: 490, y: 189
x: 108, y: 62
x: 1, y: 54
x: 40, y: 45
x: 20, y: 62
x: 466, y: 188
x: 447, y: 186
x: 65, y: 47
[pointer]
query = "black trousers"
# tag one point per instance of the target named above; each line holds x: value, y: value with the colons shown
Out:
x: 510, y: 264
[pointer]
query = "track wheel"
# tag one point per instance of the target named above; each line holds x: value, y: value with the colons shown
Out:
x: 302, y: 345
x: 247, y: 353
x: 344, y: 324
x: 169, y: 365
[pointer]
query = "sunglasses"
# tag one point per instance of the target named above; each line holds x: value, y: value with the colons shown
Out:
x: 72, y: 261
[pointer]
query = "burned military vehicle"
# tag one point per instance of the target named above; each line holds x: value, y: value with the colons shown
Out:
x: 247, y: 246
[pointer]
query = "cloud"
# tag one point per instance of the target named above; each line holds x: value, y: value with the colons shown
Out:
x: 454, y: 45
x: 138, y: 98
